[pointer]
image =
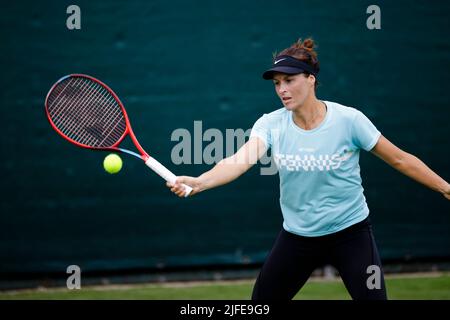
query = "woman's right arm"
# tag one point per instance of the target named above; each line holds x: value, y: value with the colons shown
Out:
x: 225, y: 171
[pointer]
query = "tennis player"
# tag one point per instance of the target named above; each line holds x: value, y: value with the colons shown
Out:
x: 316, y: 146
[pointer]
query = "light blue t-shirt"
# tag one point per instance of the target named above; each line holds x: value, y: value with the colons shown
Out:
x: 320, y: 182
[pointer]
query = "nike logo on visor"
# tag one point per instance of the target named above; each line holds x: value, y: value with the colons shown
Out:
x: 279, y: 60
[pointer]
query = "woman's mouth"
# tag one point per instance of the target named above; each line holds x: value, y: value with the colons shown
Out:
x: 286, y: 99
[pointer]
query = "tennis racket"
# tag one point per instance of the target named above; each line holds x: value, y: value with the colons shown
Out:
x: 87, y: 113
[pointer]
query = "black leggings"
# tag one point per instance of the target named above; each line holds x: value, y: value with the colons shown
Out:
x: 293, y: 258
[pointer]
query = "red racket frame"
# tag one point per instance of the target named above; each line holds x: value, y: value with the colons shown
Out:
x: 128, y: 129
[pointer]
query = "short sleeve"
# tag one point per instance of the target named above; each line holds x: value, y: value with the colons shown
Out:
x: 261, y: 130
x: 364, y: 133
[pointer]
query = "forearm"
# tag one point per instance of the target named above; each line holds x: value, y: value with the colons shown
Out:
x: 223, y: 172
x: 232, y: 167
x: 414, y: 168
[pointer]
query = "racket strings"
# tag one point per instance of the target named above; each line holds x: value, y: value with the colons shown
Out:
x: 93, y: 133
x: 60, y: 111
x: 86, y: 112
x: 68, y: 123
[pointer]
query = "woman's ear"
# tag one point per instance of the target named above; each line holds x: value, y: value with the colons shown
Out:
x: 312, y: 79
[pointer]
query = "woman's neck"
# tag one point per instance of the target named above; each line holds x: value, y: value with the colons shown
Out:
x: 309, y: 115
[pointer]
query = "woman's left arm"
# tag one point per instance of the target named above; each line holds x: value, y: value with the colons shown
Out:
x: 410, y: 166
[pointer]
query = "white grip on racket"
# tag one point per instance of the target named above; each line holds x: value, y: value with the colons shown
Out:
x: 165, y: 173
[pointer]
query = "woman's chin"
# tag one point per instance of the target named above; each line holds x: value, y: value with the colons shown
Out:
x: 288, y: 106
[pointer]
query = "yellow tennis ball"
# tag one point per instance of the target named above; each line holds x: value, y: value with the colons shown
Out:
x: 112, y: 163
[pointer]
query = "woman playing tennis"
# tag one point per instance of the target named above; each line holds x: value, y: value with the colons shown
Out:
x: 316, y: 146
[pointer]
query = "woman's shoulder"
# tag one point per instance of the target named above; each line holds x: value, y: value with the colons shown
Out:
x: 278, y: 113
x: 275, y: 116
x: 343, y: 111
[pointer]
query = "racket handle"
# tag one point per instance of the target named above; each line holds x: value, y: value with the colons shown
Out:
x: 165, y: 173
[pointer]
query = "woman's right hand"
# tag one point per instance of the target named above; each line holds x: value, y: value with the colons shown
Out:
x: 178, y: 188
x: 447, y: 192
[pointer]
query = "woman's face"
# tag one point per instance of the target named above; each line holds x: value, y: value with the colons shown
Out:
x: 293, y: 89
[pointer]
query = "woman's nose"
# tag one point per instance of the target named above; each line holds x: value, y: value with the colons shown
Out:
x: 281, y: 89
